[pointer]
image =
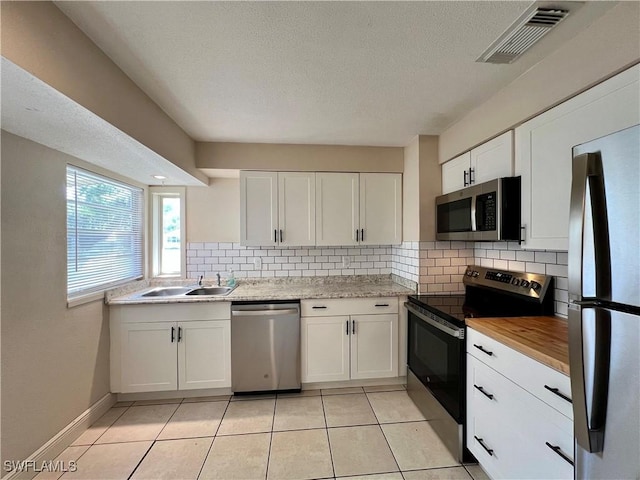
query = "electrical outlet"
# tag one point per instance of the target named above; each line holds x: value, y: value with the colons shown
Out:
x: 257, y: 263
x: 346, y: 261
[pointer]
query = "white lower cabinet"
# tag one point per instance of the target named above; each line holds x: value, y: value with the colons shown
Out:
x: 513, y: 433
x: 170, y: 347
x: 348, y: 339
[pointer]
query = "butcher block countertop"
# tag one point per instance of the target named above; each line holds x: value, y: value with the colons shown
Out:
x: 545, y: 339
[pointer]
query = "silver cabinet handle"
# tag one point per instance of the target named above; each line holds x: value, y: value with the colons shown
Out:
x: 562, y: 455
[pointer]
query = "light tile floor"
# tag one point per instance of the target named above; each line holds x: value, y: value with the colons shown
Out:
x: 370, y: 433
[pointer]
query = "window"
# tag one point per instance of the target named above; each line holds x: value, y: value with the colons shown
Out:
x: 104, y: 232
x: 167, y: 220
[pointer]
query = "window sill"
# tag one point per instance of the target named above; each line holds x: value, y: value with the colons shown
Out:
x: 83, y: 299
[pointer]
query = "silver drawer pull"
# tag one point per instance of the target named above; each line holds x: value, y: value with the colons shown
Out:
x: 558, y: 393
x: 481, y: 442
x: 488, y: 395
x: 563, y: 455
x: 479, y: 347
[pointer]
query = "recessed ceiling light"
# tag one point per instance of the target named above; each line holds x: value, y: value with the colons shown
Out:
x: 159, y: 177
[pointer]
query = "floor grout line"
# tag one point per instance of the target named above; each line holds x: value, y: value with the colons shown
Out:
x: 141, y: 460
x: 273, y: 420
x: 383, y: 435
x: 326, y: 429
x: 214, y: 439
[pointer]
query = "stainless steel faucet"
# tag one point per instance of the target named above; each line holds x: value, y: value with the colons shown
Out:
x: 218, y: 277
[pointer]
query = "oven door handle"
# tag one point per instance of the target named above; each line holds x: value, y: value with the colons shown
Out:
x: 453, y: 331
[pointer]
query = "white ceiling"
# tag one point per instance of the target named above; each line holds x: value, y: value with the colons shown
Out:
x: 350, y: 73
x: 34, y: 110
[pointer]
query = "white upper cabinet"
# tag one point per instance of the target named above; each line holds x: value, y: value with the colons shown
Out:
x: 337, y: 208
x: 380, y: 208
x: 258, y: 208
x: 358, y: 208
x: 544, y: 153
x: 491, y: 160
x: 455, y: 173
x: 277, y: 208
x: 296, y: 208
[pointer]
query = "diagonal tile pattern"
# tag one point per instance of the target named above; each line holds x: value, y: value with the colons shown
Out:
x: 370, y: 433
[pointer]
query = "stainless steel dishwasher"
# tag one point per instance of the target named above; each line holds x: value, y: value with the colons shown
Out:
x: 265, y: 346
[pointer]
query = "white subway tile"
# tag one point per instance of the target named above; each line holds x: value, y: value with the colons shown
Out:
x: 563, y: 258
x: 347, y: 271
x: 275, y: 253
x: 309, y: 273
x: 267, y: 274
x: 315, y: 251
x: 535, y: 267
x: 562, y: 283
x: 302, y: 252
x: 517, y: 266
x: 276, y: 266
x: 493, y: 254
x: 501, y: 264
x: 295, y: 273
x: 557, y: 270
x: 524, y: 256
x: 545, y: 257
x: 282, y: 273
x: 486, y: 262
x: 335, y: 272
x: 507, y: 255
x: 196, y: 246
x: 225, y: 246
x: 443, y: 262
x: 204, y: 253
x: 327, y: 251
x: 321, y: 258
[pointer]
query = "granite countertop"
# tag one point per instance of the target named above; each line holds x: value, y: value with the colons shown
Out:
x: 273, y: 289
x: 545, y: 339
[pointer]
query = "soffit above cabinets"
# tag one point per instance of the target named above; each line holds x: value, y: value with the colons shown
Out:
x: 34, y: 110
x: 340, y: 73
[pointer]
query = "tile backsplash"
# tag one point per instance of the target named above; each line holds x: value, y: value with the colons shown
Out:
x: 209, y: 258
x: 437, y: 267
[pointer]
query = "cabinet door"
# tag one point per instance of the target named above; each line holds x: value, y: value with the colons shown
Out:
x: 258, y: 208
x: 455, y: 173
x: 204, y: 354
x: 337, y: 208
x: 544, y: 156
x: 380, y: 208
x: 374, y: 346
x: 148, y: 357
x: 493, y: 159
x: 297, y: 208
x: 325, y: 348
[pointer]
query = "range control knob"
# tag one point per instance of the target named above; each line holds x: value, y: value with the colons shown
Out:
x: 515, y: 282
x: 524, y: 284
x: 535, y: 285
x: 475, y: 273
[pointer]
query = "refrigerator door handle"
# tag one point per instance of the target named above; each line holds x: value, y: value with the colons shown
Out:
x: 587, y: 170
x: 589, y: 424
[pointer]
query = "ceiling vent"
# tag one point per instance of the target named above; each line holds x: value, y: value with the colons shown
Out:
x: 523, y: 34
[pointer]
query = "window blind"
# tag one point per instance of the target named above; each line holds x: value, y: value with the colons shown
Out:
x: 104, y: 232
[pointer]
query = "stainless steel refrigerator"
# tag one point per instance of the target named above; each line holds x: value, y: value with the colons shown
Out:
x: 604, y: 308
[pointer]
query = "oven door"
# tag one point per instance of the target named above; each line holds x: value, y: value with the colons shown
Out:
x: 436, y: 358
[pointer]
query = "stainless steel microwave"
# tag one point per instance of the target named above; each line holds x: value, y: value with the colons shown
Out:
x: 486, y: 212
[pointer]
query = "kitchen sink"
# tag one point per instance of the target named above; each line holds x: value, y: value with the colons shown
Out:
x: 211, y: 291
x: 167, y: 291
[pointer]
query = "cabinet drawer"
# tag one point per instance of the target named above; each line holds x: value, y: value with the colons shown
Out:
x: 549, y: 385
x: 516, y: 426
x: 348, y: 306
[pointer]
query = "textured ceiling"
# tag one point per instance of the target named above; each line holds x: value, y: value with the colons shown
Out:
x: 352, y: 73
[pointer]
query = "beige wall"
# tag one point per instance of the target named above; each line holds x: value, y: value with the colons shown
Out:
x: 610, y: 44
x: 310, y: 158
x: 39, y: 38
x: 430, y: 186
x: 213, y: 212
x: 55, y: 361
x: 411, y: 192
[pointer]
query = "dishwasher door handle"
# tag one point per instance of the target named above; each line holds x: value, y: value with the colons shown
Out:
x: 256, y: 313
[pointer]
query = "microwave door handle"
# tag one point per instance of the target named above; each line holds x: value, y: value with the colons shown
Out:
x: 473, y: 213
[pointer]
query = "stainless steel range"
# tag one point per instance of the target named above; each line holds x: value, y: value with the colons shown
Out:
x: 436, y: 341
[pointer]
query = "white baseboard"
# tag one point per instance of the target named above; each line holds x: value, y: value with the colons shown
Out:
x: 355, y: 383
x: 64, y: 438
x: 164, y: 395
